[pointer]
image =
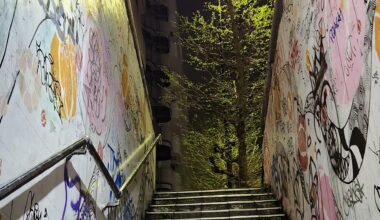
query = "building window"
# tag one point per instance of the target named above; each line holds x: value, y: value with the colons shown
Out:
x: 161, y: 44
x: 147, y: 39
x: 161, y: 12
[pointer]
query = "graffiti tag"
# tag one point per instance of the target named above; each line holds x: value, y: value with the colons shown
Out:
x: 355, y: 194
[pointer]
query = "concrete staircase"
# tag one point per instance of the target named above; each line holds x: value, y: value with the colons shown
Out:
x: 254, y: 203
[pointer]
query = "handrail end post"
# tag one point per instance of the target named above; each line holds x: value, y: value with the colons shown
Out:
x: 87, y: 140
x: 118, y: 194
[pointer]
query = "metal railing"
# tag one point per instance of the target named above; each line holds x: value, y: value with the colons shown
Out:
x: 78, y: 147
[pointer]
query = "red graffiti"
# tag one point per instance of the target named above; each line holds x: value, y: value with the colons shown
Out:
x: 294, y: 53
x: 302, y: 143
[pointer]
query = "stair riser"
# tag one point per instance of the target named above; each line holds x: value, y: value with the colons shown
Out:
x: 212, y: 199
x: 206, y: 193
x: 215, y: 207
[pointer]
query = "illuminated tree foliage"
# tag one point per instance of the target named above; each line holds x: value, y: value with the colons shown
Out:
x: 227, y: 44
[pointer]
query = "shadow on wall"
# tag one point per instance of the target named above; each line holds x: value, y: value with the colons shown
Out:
x: 77, y: 203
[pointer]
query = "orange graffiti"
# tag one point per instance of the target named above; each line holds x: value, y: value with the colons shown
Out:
x: 377, y: 33
x: 64, y: 71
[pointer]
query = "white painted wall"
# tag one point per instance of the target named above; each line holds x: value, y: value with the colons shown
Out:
x: 69, y: 69
x: 321, y: 151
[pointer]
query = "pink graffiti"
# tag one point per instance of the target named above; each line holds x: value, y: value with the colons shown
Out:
x: 100, y: 150
x: 96, y: 70
x: 346, y: 40
x: 326, y: 201
x: 78, y: 58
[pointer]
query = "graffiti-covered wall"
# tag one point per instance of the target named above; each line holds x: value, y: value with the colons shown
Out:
x: 322, y: 140
x: 69, y: 69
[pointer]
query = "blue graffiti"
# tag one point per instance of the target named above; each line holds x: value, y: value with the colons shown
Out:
x: 129, y: 211
x: 112, y: 166
x: 336, y: 25
x: 82, y: 206
x: 70, y: 183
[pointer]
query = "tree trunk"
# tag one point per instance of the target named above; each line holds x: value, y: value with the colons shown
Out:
x: 241, y: 88
x: 242, y: 158
x: 228, y: 157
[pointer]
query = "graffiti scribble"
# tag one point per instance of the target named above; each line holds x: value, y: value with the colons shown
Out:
x: 354, y: 194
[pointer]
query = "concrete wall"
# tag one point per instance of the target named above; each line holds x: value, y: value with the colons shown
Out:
x: 68, y: 69
x: 322, y: 142
x: 171, y: 131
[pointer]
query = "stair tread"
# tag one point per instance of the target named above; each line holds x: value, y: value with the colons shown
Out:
x: 216, y: 203
x: 220, y: 210
x: 210, y: 191
x: 215, y: 196
x: 242, y: 203
x: 239, y: 217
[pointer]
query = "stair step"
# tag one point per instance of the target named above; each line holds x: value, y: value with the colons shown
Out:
x: 215, y: 213
x: 271, y: 217
x: 211, y: 192
x: 213, y: 198
x: 247, y: 203
x: 214, y: 205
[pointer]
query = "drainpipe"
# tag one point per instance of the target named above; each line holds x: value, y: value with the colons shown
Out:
x: 278, y: 9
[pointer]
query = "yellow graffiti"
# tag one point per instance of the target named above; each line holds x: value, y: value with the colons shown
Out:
x: 308, y: 62
x: 92, y: 8
x: 143, y: 121
x: 125, y: 81
x: 64, y: 70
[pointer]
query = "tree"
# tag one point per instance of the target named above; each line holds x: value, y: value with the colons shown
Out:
x: 228, y: 46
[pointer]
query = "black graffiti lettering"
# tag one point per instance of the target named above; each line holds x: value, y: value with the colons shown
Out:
x: 32, y: 209
x: 51, y: 84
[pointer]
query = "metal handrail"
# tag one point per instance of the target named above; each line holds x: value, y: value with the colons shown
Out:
x: 78, y: 147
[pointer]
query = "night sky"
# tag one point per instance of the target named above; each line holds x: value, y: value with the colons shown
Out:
x: 187, y: 7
